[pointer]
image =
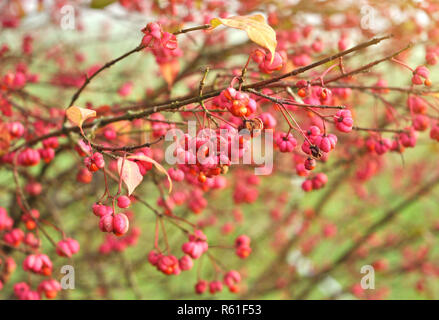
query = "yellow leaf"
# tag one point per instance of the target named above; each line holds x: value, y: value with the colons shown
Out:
x: 78, y: 115
x: 170, y: 71
x: 158, y: 166
x: 256, y: 27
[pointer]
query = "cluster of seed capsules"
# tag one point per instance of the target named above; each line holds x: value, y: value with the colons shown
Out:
x: 35, y: 261
x: 193, y: 249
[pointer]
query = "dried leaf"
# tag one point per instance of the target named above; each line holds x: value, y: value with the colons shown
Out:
x: 129, y: 173
x: 156, y: 164
x: 78, y: 115
x: 258, y: 30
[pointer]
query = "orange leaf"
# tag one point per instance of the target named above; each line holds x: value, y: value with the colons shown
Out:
x: 258, y: 30
x: 156, y: 164
x: 129, y: 173
x: 78, y: 115
x: 5, y: 139
x: 169, y: 71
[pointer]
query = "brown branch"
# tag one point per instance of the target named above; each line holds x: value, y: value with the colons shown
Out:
x: 126, y: 148
x: 178, y: 103
x: 125, y: 55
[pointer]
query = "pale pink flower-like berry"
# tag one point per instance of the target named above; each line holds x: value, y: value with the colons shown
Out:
x: 121, y: 224
x: 193, y: 249
x: 343, y: 43
x: 396, y: 145
x: 417, y: 104
x: 20, y: 288
x: 19, y: 80
x: 219, y: 182
x: 101, y: 210
x: 94, y: 162
x: 301, y: 170
x: 123, y: 202
x: 238, y: 103
x: 312, y: 133
x: 326, y: 143
x: 154, y: 257
x: 84, y: 176
x: 343, y: 120
x: 196, y: 245
x: 110, y: 134
x: 324, y: 94
x: 33, y: 188
x: 242, y: 240
x: 319, y: 181
x: 47, y: 154
x: 50, y: 288
x: 106, y: 223
x: 307, y: 185
x: 6, y: 222
x: 286, y: 142
x: 168, y: 265
x: 300, y: 60
x: 421, y: 122
x: 67, y: 247
x: 156, y: 38
x: 16, y: 129
x: 14, y: 237
x: 431, y: 57
x: 126, y: 89
x: 153, y: 34
x: 144, y: 166
x: 434, y: 134
x: 264, y: 61
x: 176, y: 174
x: 31, y: 240
x: 23, y: 292
x: 268, y: 120
x: 315, y: 183
x: 29, y: 157
x: 309, y: 164
x: 83, y: 149
x: 118, y: 224
x: 215, y: 286
x: 51, y: 142
x: 185, y: 263
x: 408, y: 138
x: 201, y: 286
x: 382, y: 146
x: 317, y: 45
x: 231, y: 279
x: 381, y: 83
x: 169, y: 41
x: 178, y: 197
x: 242, y: 246
x: 420, y: 73
x: 306, y: 147
x: 38, y: 263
